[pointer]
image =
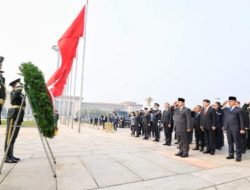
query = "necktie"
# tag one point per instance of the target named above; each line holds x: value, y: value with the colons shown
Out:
x: 205, y: 111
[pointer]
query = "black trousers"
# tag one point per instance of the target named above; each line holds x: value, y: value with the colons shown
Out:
x: 248, y: 139
x: 132, y: 129
x: 210, y: 139
x: 234, y: 137
x: 168, y: 133
x: 243, y: 142
x: 190, y: 136
x: 146, y: 131
x: 156, y: 131
x: 183, y: 142
x: 137, y: 130
x: 1, y: 106
x: 219, y: 138
x: 152, y: 129
x: 8, y: 141
x: 141, y: 129
x: 199, y: 138
x: 115, y: 126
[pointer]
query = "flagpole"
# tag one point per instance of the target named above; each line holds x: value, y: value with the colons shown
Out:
x: 74, y: 95
x: 65, y: 102
x: 69, y: 101
x: 56, y: 49
x: 83, y: 62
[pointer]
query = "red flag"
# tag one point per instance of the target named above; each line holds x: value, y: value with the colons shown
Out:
x: 67, y: 45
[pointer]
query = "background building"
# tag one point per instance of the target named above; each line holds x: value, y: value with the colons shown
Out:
x: 64, y: 103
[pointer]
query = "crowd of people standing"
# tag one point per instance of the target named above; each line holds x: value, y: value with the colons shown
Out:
x: 206, y: 123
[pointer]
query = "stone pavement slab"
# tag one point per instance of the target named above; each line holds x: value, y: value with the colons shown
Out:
x: 29, y: 175
x: 74, y: 175
x: 223, y: 174
x: 108, y: 172
x: 141, y: 167
x: 178, y: 182
x: 176, y: 166
x: 242, y: 184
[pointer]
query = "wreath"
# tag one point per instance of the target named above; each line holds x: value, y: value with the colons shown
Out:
x: 39, y: 98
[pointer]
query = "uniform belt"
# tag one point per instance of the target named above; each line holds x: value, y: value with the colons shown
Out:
x: 16, y: 106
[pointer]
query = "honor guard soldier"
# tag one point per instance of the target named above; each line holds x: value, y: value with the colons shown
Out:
x: 2, y: 88
x: 16, y: 98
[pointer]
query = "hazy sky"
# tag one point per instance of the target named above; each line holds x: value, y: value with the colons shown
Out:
x: 138, y: 48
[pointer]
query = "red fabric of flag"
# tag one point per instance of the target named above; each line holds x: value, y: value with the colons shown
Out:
x: 67, y: 45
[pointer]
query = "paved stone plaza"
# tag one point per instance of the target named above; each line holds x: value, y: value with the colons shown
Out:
x: 115, y: 161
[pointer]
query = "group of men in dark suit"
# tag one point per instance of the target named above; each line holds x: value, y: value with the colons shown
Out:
x: 146, y: 123
x: 206, y: 122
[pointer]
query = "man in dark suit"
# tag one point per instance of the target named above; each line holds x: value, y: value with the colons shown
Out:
x: 156, y: 120
x: 199, y: 134
x: 182, y: 124
x: 246, y: 123
x: 167, y: 121
x: 208, y: 125
x: 146, y: 123
x: 137, y: 123
x: 234, y: 126
x: 115, y: 121
x: 246, y: 110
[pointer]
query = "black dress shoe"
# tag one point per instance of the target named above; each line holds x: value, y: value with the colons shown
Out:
x: 156, y: 140
x: 165, y: 144
x: 206, y: 152
x: 168, y: 144
x: 184, y: 155
x: 178, y: 154
x: 212, y: 152
x: 196, y: 148
x: 238, y: 159
x: 176, y: 142
x: 14, y: 158
x: 10, y: 161
x: 230, y: 157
